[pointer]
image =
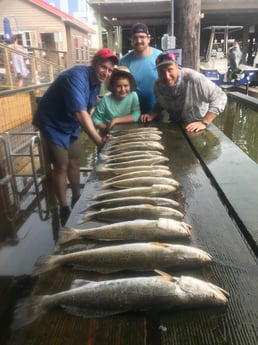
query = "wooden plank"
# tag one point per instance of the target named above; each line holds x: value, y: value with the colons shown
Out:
x: 236, y: 176
x: 249, y: 101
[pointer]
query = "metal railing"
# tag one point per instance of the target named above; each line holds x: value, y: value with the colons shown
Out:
x: 15, y: 184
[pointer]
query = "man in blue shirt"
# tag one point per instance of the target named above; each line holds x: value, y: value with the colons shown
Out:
x: 141, y: 63
x: 62, y: 111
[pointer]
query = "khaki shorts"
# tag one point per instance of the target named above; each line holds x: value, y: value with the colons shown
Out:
x: 58, y: 154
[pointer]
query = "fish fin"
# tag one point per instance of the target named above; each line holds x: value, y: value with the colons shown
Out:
x: 45, y: 264
x: 159, y: 244
x: 89, y: 313
x: 67, y: 235
x: 27, y: 310
x: 165, y: 275
x: 79, y: 282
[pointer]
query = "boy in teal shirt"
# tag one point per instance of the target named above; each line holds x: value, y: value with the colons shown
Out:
x: 121, y: 105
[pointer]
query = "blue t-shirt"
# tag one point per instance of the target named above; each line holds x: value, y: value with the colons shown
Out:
x: 145, y: 73
x: 73, y: 90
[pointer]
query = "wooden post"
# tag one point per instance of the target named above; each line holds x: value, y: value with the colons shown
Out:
x: 188, y: 32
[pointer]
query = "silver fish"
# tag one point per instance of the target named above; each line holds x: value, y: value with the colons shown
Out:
x: 138, y: 156
x: 140, y: 181
x: 154, y: 190
x: 92, y: 299
x: 140, y: 173
x: 104, y: 156
x: 102, y: 168
x: 138, y: 256
x: 133, y: 200
x: 150, y: 145
x: 139, y: 229
x: 154, y: 160
x: 135, y: 130
x: 133, y: 212
x: 133, y: 137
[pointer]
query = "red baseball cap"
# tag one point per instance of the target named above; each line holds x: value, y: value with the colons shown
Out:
x: 107, y: 54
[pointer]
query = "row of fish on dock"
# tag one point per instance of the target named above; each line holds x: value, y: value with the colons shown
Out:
x: 135, y: 200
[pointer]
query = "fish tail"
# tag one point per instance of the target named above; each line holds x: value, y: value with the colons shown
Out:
x: 27, y: 310
x: 46, y: 264
x: 67, y: 235
x: 106, y: 185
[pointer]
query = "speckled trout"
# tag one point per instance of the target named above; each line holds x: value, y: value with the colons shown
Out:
x: 131, y: 212
x: 154, y: 190
x: 92, y: 299
x: 133, y: 200
x: 140, y: 173
x: 135, y: 130
x: 133, y: 137
x: 154, y: 160
x: 102, y: 168
x: 163, y: 229
x: 137, y: 145
x: 104, y: 156
x: 130, y: 256
x: 124, y: 158
x: 141, y: 181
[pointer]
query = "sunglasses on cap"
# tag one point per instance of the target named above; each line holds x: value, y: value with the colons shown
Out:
x: 165, y: 58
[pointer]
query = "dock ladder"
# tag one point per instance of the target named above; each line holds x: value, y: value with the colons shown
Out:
x: 22, y: 170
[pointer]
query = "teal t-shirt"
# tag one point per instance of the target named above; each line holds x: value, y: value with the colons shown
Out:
x: 110, y: 107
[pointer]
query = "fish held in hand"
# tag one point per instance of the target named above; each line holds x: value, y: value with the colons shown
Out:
x: 163, y: 229
x: 139, y: 294
x: 130, y: 256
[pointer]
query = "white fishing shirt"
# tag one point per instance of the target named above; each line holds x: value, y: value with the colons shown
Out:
x: 191, y: 97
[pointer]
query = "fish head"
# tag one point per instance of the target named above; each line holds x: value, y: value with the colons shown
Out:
x: 202, y: 292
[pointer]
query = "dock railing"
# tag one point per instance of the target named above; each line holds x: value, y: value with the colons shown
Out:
x: 44, y: 65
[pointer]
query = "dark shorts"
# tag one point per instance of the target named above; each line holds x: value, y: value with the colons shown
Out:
x: 58, y: 154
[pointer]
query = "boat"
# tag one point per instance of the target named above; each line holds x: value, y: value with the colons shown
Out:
x: 216, y: 64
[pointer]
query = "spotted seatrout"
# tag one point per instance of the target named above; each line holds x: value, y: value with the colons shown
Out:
x: 141, y: 181
x: 154, y: 160
x: 133, y: 200
x: 130, y: 256
x: 152, y: 136
x: 104, y: 156
x: 140, y: 173
x: 92, y: 299
x: 154, y: 190
x: 131, y: 212
x: 125, y: 158
x: 163, y: 229
x: 102, y: 168
x: 136, y: 145
x: 117, y: 132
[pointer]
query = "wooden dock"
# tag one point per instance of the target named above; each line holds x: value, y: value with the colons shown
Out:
x: 218, y: 196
